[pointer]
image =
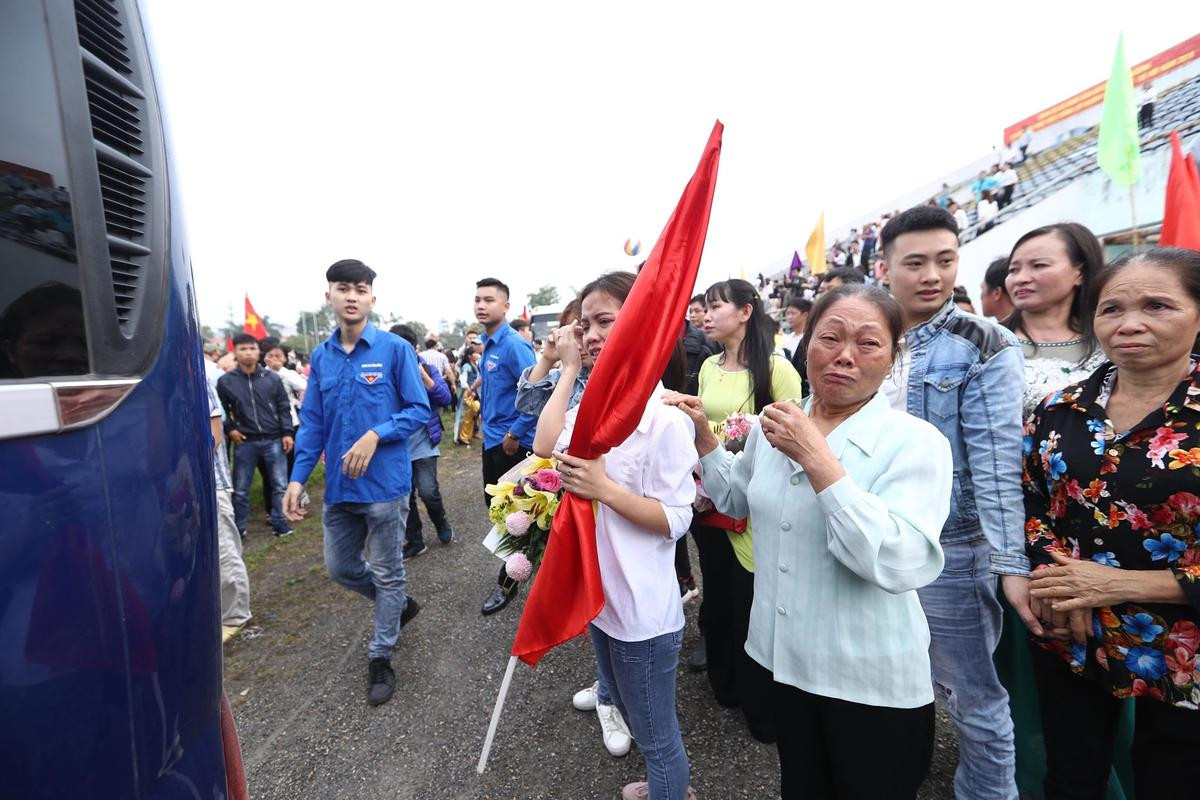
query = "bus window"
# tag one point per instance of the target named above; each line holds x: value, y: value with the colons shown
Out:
x: 41, y: 308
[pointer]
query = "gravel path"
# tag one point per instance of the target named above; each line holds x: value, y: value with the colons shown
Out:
x: 297, y: 678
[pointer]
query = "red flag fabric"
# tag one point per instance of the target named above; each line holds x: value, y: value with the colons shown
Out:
x: 1181, y: 215
x: 253, y: 324
x: 567, y: 594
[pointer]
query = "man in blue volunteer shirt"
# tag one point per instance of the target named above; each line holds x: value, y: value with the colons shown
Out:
x: 507, y: 433
x: 365, y: 398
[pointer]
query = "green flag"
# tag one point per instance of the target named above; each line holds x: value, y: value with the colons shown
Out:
x: 1118, y: 151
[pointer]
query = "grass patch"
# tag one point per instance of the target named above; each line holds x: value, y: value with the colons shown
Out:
x: 254, y: 556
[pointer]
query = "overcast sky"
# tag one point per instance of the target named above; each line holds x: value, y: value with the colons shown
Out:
x: 442, y: 142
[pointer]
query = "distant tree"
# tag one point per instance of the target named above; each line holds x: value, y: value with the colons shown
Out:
x: 545, y: 296
x: 207, y: 333
x: 273, y: 328
x: 453, y: 336
x: 300, y: 343
x: 419, y: 329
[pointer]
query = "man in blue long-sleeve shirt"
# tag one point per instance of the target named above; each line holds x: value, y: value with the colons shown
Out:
x: 365, y: 398
x: 423, y: 450
x: 507, y: 433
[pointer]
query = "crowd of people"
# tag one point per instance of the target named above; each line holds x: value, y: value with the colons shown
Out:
x: 999, y: 511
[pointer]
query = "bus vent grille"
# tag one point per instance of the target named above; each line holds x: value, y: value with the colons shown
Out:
x: 125, y: 276
x: 101, y: 33
x: 117, y: 107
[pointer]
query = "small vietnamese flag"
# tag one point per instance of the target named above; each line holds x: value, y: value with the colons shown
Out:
x: 253, y: 324
x: 1181, y: 214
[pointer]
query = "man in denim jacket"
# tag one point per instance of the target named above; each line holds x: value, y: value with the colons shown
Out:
x: 964, y: 375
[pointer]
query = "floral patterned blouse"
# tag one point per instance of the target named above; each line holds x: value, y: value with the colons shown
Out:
x: 1128, y: 500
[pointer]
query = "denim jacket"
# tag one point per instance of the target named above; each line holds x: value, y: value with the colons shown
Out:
x: 966, y: 379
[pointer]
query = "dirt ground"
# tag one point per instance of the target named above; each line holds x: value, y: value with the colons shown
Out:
x: 296, y: 677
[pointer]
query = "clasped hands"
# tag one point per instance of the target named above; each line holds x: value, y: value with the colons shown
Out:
x: 1057, y: 601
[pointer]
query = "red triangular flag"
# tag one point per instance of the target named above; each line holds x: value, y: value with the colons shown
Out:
x: 1181, y: 214
x: 567, y: 594
x: 253, y: 324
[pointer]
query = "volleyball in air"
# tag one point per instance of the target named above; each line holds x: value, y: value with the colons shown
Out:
x: 632, y: 247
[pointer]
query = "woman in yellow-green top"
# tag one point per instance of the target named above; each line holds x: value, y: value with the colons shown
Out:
x: 745, y: 377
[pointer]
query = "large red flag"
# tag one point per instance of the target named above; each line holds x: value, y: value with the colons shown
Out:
x: 567, y: 594
x: 1181, y: 215
x: 253, y: 324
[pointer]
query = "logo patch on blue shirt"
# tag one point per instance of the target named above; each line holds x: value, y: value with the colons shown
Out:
x: 370, y: 377
x: 491, y: 366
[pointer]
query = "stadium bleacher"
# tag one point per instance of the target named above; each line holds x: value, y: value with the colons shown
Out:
x: 1043, y: 173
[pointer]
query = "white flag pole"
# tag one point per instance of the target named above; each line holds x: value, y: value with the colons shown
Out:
x: 491, y: 734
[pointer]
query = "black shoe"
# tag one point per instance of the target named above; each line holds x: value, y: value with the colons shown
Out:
x: 498, y: 599
x: 412, y: 550
x: 411, y: 609
x: 697, y: 660
x: 446, y: 536
x: 281, y: 534
x: 381, y: 681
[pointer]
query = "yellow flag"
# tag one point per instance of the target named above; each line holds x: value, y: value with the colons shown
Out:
x: 815, y: 249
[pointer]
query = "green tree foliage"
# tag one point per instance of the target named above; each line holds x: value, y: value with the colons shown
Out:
x: 545, y: 296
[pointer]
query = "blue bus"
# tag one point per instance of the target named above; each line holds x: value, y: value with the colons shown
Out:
x: 110, y: 643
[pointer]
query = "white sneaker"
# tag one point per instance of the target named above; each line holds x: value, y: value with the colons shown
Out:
x: 617, y: 738
x: 585, y: 699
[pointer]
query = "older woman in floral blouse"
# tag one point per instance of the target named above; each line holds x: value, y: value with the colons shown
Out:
x: 1113, y: 501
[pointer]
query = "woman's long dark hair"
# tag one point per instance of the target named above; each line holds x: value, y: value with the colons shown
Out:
x: 1085, y: 252
x: 758, y: 343
x: 618, y: 285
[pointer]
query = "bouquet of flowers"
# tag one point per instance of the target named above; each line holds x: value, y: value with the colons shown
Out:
x: 735, y: 430
x: 521, y: 511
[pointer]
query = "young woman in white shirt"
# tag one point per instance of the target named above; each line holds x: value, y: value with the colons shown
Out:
x: 644, y: 492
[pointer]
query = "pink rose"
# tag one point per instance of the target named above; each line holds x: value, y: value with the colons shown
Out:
x: 548, y: 480
x: 518, y: 567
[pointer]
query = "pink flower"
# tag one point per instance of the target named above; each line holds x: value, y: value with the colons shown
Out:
x: 1182, y: 664
x: 1163, y: 442
x: 548, y: 480
x: 518, y: 567
x: 1137, y: 518
x: 1185, y: 502
x: 517, y: 523
x: 737, y: 426
x: 1185, y: 635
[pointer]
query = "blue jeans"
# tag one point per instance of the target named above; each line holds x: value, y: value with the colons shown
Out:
x: 245, y: 460
x: 458, y: 415
x: 425, y: 485
x: 965, y: 619
x: 641, y: 678
x: 377, y: 528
